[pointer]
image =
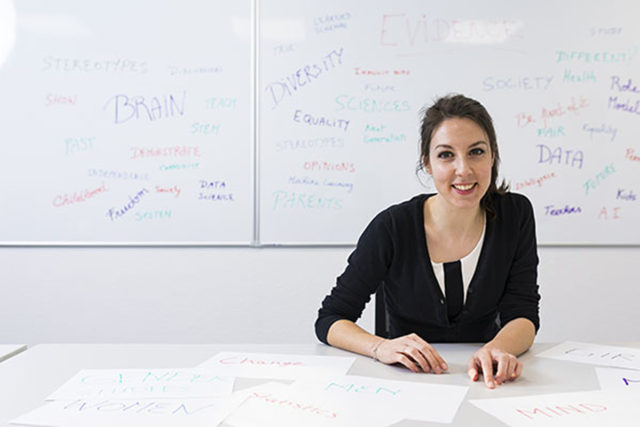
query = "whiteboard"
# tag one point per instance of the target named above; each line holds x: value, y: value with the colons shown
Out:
x: 341, y: 84
x: 127, y: 122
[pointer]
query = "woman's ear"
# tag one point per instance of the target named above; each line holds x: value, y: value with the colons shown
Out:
x: 425, y: 162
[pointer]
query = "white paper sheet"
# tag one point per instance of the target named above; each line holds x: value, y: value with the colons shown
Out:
x: 276, y: 366
x: 132, y: 412
x: 594, y: 354
x: 584, y: 409
x: 277, y: 405
x: 144, y: 384
x: 623, y: 380
x: 398, y: 399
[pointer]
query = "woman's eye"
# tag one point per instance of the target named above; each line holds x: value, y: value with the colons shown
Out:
x: 477, y: 152
x: 445, y: 154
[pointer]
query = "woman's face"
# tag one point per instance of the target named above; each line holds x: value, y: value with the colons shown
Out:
x: 460, y: 161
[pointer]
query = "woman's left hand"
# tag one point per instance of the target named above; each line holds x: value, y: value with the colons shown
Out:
x: 489, y: 359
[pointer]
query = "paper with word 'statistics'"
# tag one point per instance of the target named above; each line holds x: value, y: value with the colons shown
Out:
x: 106, y: 412
x: 276, y: 405
x: 144, y: 383
x: 398, y: 399
x: 594, y: 354
x: 623, y: 380
x: 583, y: 409
x: 276, y: 366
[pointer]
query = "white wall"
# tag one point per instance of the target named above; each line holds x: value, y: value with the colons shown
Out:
x: 235, y: 295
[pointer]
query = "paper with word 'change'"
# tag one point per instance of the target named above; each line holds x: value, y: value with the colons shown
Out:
x: 275, y: 405
x: 144, y: 383
x: 583, y: 409
x: 407, y: 400
x: 624, y: 380
x: 103, y: 412
x: 594, y: 354
x: 276, y: 366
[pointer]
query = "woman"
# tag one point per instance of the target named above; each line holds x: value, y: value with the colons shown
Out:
x: 457, y: 266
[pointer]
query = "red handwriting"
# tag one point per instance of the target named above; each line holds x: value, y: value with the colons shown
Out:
x: 175, y: 190
x: 77, y: 197
x: 61, y: 99
x: 237, y: 360
x: 631, y: 155
x: 177, y: 151
x: 535, y: 181
x: 557, y: 411
x: 295, y: 405
x: 362, y: 72
x: 548, y: 113
x: 607, y: 214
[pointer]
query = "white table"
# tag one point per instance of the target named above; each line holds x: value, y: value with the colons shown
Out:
x: 28, y: 378
x: 10, y: 350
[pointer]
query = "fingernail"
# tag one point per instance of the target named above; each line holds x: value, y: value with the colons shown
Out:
x: 444, y: 366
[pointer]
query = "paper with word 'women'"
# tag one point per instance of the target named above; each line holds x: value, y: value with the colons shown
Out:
x: 583, y: 409
x: 623, y: 380
x: 594, y: 354
x: 405, y: 399
x: 276, y: 405
x: 144, y: 383
x: 109, y: 412
x: 276, y: 366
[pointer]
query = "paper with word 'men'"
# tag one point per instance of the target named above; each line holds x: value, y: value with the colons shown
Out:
x: 399, y: 399
x: 276, y: 366
x: 276, y: 405
x: 583, y: 409
x: 109, y: 412
x: 623, y: 380
x: 144, y: 383
x: 594, y: 354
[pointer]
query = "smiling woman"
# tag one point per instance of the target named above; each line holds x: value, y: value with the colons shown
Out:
x: 456, y: 266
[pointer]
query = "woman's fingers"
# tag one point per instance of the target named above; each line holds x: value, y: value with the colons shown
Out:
x: 412, y: 352
x: 506, y: 366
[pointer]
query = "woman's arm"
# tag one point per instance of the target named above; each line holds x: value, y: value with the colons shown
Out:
x: 410, y: 350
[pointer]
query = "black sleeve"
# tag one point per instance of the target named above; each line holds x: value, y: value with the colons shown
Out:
x: 367, y: 266
x: 521, y: 297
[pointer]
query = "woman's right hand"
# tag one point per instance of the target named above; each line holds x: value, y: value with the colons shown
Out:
x: 410, y: 351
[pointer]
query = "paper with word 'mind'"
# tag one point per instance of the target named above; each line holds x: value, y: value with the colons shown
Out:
x: 144, y: 383
x: 582, y: 409
x: 276, y: 366
x: 594, y: 354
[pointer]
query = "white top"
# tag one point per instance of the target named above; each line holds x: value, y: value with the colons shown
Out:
x: 467, y: 265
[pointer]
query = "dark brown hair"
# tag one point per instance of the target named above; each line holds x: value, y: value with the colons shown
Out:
x: 459, y: 106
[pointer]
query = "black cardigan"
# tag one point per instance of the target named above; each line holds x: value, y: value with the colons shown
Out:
x: 393, y: 250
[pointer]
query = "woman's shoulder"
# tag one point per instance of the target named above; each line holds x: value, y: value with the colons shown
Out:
x: 512, y: 205
x: 411, y: 207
